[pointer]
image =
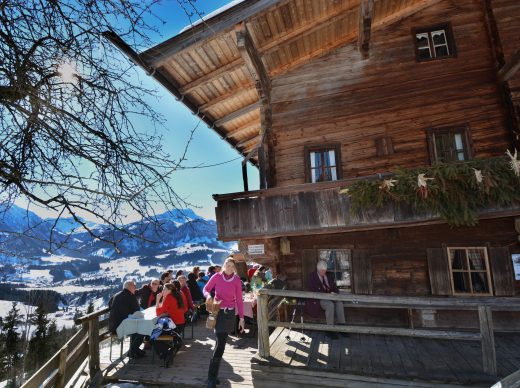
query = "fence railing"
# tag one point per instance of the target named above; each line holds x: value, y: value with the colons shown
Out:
x: 484, y: 306
x: 63, y: 365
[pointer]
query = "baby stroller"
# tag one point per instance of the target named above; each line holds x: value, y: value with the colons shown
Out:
x: 166, y: 340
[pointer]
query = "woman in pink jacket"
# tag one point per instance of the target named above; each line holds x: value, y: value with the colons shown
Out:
x: 228, y: 291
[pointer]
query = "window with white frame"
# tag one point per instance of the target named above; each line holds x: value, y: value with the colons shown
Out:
x: 434, y: 43
x: 323, y: 164
x: 469, y: 270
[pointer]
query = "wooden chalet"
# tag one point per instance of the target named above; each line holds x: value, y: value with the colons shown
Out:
x: 319, y: 94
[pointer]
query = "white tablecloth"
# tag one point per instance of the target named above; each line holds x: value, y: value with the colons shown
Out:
x: 141, y: 323
x: 249, y: 303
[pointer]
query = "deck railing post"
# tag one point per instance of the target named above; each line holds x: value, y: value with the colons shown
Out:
x: 62, y: 367
x: 489, y: 358
x: 93, y: 346
x: 263, y: 329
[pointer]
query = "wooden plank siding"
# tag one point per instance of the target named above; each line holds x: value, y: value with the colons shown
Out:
x: 399, y: 264
x: 343, y: 98
x: 508, y: 25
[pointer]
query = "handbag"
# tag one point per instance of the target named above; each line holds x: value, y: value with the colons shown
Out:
x: 212, y: 307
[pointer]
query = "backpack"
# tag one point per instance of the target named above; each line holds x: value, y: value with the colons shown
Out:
x: 166, y: 350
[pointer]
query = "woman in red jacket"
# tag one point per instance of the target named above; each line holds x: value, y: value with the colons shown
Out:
x: 173, y: 303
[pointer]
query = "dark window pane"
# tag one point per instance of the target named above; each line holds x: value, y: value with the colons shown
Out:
x: 477, y: 259
x: 461, y: 282
x: 422, y: 40
x: 424, y: 53
x: 441, y: 51
x: 458, y: 259
x: 439, y: 37
x: 479, y: 282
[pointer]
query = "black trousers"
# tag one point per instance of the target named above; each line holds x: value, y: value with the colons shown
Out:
x: 224, y: 325
x: 135, y: 341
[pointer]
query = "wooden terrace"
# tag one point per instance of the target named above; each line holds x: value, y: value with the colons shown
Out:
x: 300, y: 354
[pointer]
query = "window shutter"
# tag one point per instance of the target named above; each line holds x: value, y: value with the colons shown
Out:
x: 502, y: 271
x: 309, y: 261
x: 439, y: 271
x: 384, y: 146
x: 361, y: 271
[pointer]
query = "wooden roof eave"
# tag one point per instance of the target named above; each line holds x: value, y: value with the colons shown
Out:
x: 198, y: 34
x: 165, y: 81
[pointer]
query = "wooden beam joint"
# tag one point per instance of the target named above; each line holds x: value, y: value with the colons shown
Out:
x: 510, y: 68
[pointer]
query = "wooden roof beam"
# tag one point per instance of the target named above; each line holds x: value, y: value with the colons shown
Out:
x: 252, y: 59
x: 208, y: 29
x: 366, y: 14
x: 510, y: 68
x: 234, y: 93
x: 246, y: 128
x: 228, y: 68
x: 244, y: 143
x: 236, y: 114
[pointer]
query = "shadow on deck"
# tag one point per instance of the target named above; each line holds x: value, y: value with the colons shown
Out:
x: 190, y: 366
x: 356, y: 361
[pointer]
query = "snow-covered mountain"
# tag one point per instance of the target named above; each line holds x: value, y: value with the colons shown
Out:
x: 176, y: 238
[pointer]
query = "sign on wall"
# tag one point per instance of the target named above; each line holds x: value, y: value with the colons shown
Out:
x: 256, y: 249
x: 516, y: 265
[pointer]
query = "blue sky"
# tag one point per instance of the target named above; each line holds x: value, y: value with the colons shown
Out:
x: 207, y: 148
x: 195, y: 185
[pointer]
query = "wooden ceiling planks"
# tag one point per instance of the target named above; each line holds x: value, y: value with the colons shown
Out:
x: 287, y: 34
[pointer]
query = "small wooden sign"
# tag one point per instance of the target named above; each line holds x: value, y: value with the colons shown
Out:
x: 256, y: 249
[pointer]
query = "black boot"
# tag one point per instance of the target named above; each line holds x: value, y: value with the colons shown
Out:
x: 213, y: 372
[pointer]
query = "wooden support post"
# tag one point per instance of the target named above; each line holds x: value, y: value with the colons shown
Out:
x: 244, y: 176
x: 93, y: 347
x: 263, y: 329
x: 62, y: 365
x: 489, y: 358
x: 366, y: 14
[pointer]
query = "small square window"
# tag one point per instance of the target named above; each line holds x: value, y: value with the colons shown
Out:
x: 469, y: 271
x: 338, y: 266
x: 434, y: 42
x: 323, y: 163
x: 449, y: 144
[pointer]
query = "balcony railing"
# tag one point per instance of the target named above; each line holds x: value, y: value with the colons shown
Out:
x: 316, y: 209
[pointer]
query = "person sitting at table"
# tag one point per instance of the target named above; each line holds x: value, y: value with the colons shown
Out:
x: 321, y: 281
x: 172, y: 302
x: 121, y: 306
x: 258, y: 281
x: 147, y: 294
x: 228, y: 291
x: 195, y: 271
x: 166, y: 277
x: 187, y: 293
x: 196, y: 293
x: 201, y: 281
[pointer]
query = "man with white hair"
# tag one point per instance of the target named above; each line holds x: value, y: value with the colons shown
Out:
x: 122, y: 305
x: 320, y: 281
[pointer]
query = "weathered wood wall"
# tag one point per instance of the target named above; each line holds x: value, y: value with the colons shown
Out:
x: 342, y: 98
x: 398, y: 265
x: 507, y: 17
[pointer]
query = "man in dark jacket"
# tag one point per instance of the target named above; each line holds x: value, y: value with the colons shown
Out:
x: 320, y: 281
x: 147, y: 294
x: 122, y: 305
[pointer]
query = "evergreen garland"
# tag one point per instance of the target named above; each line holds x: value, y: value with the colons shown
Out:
x: 455, y: 191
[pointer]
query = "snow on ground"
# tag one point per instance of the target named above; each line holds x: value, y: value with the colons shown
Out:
x: 37, y: 276
x: 60, y: 259
x: 65, y: 288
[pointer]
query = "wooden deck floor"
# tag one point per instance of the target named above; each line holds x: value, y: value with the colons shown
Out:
x: 388, y: 357
x: 356, y: 361
x: 190, y: 366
